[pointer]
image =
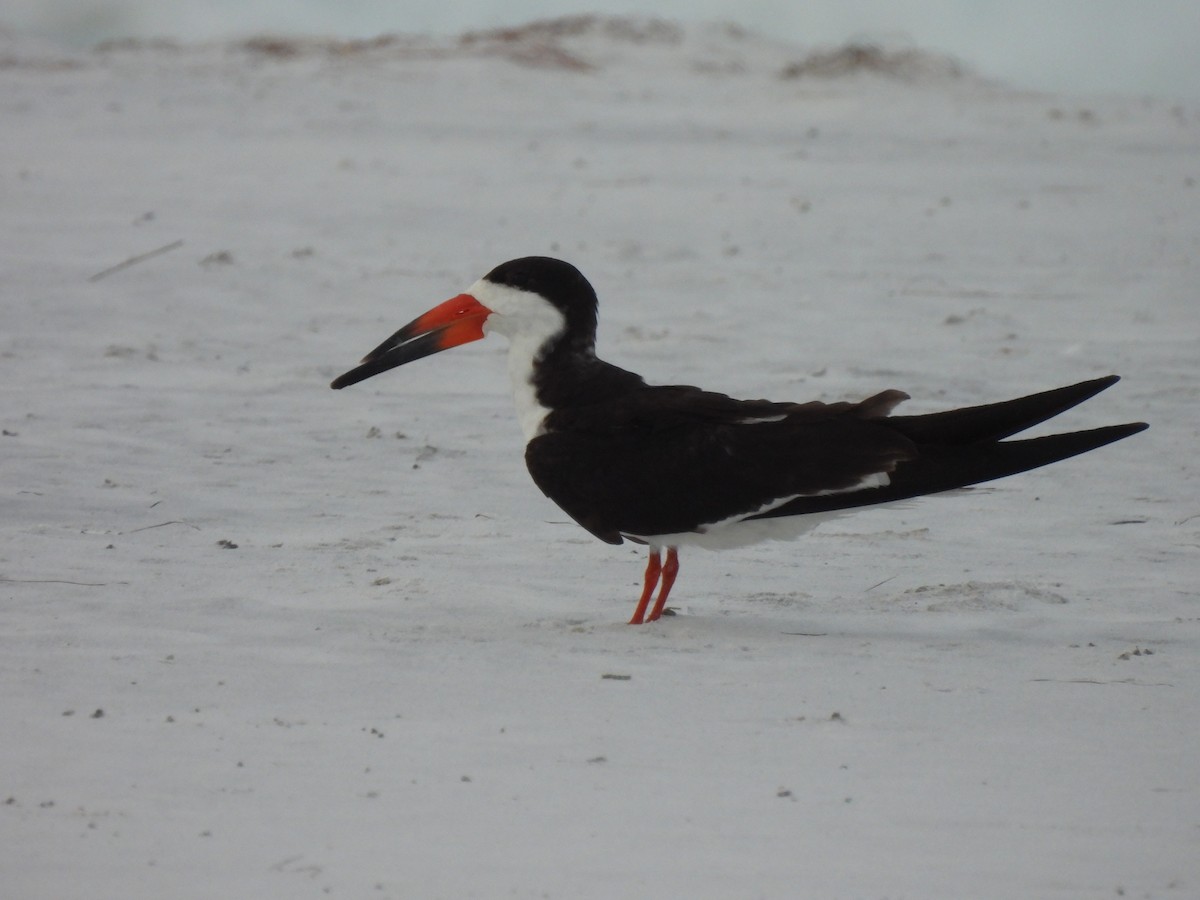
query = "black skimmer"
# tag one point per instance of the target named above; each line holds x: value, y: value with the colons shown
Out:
x: 671, y: 466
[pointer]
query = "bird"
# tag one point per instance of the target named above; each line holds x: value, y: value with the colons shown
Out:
x: 671, y: 466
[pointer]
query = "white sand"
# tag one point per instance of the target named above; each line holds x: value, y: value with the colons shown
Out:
x: 395, y: 685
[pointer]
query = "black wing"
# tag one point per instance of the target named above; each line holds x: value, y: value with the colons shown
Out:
x: 662, y: 460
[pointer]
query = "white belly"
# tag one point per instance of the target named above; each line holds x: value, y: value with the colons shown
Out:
x: 741, y: 532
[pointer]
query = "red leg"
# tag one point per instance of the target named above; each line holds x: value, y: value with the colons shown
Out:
x: 669, y: 570
x: 653, y: 567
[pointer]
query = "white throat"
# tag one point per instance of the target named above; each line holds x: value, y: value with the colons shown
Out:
x: 528, y: 321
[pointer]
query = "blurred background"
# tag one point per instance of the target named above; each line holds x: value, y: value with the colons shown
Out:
x: 1075, y: 46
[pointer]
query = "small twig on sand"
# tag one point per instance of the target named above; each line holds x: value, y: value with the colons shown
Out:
x: 160, y: 525
x: 54, y: 581
x: 134, y: 260
x: 1131, y: 681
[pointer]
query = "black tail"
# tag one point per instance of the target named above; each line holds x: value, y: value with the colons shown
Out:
x: 962, y: 447
x: 996, y: 421
x: 946, y: 468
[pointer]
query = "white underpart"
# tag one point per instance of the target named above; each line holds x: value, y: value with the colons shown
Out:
x: 528, y: 321
x: 742, y: 530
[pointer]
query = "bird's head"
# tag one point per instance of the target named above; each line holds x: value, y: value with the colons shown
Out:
x: 533, y: 300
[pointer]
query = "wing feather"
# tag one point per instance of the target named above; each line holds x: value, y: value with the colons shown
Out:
x: 667, y: 459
